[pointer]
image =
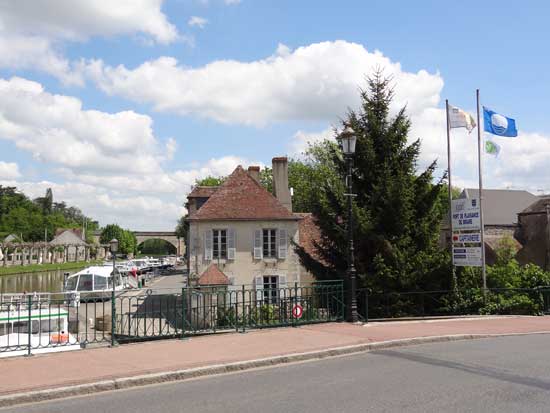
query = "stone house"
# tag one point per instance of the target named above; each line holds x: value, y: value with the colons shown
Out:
x: 533, y: 233
x: 241, y: 234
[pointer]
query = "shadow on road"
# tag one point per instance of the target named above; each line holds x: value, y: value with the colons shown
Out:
x: 468, y: 368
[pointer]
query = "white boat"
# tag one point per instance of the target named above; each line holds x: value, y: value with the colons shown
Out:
x: 94, y: 281
x: 43, y: 326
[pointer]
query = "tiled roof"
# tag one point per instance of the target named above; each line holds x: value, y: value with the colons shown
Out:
x: 240, y: 197
x: 202, y: 191
x: 310, y: 235
x: 213, y: 276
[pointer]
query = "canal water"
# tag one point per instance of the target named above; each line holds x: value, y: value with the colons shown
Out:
x: 44, y: 281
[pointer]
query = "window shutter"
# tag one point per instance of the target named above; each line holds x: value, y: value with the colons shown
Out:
x: 282, y: 243
x: 208, y: 245
x: 258, y: 250
x: 231, y: 250
x: 259, y: 286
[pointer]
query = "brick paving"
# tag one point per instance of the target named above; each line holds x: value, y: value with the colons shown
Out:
x: 20, y: 374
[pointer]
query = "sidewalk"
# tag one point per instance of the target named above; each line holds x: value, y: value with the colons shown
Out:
x: 63, y: 369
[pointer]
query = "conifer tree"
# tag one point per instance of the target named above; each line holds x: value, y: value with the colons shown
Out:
x: 397, y: 210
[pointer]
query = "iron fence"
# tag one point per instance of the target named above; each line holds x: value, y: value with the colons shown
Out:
x: 31, y: 323
x: 471, y: 301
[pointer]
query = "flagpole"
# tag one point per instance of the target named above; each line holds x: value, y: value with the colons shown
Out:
x: 450, y: 192
x: 483, y: 273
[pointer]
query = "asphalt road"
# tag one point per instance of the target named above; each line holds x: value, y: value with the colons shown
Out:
x: 508, y: 374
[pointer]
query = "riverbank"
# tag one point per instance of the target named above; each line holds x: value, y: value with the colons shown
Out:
x: 25, y: 269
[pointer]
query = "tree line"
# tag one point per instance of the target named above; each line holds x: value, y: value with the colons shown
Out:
x: 35, y: 220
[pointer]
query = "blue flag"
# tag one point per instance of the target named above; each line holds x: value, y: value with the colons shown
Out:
x: 498, y: 125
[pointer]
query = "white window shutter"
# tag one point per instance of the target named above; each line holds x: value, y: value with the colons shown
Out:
x: 258, y: 250
x: 281, y: 285
x: 282, y: 243
x: 259, y: 286
x: 208, y: 245
x: 231, y: 250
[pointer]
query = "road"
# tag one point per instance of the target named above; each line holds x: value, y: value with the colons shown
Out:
x: 507, y: 374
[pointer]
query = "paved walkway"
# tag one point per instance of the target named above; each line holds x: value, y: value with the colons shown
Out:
x: 78, y: 367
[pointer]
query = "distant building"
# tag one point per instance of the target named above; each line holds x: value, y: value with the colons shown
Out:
x: 534, y: 233
x: 500, y: 216
x: 74, y: 246
x: 241, y: 234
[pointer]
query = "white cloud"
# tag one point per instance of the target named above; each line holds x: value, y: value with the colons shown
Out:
x: 81, y: 19
x: 315, y: 82
x: 33, y: 32
x: 9, y: 170
x: 55, y: 129
x: 112, y: 163
x: 301, y: 140
x: 196, y: 21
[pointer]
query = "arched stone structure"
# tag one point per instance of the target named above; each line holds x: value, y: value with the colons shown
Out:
x: 167, y: 236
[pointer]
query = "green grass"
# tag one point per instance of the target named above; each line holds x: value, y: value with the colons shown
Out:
x: 22, y: 269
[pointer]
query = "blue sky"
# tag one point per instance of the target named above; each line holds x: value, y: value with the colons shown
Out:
x: 119, y: 108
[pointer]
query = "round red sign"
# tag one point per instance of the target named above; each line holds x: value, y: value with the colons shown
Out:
x: 297, y: 311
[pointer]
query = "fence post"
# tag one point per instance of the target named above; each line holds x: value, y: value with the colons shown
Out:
x: 366, y: 306
x: 294, y: 320
x: 29, y: 327
x: 244, y: 309
x: 113, y: 318
x: 183, y: 313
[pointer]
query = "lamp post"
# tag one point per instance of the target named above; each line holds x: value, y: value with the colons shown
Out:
x: 349, y: 139
x: 113, y: 247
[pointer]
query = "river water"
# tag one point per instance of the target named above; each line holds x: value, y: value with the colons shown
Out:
x: 44, y: 281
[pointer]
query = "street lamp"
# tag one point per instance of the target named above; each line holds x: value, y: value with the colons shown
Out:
x: 348, y: 139
x: 113, y: 247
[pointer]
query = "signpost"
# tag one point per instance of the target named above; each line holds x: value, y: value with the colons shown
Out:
x: 466, y: 214
x: 472, y: 237
x: 467, y: 256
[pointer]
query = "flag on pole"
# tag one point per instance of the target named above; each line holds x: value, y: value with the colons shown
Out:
x: 498, y: 124
x: 492, y: 148
x: 459, y: 118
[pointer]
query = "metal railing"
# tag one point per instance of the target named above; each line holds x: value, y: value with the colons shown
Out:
x: 471, y: 301
x: 32, y: 323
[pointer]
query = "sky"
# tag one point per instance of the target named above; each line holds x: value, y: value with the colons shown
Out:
x: 120, y: 107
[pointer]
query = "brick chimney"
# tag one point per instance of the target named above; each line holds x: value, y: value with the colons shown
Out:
x: 280, y: 181
x: 254, y: 172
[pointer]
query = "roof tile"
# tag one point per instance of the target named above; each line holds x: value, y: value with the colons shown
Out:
x: 213, y: 276
x: 241, y: 197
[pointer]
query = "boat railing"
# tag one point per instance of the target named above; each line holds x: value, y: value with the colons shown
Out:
x: 21, y: 300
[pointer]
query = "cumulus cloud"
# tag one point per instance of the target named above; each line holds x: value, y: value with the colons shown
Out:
x: 9, y: 170
x: 32, y: 32
x: 56, y: 129
x: 112, y: 163
x: 301, y: 140
x: 80, y: 19
x: 196, y: 21
x: 315, y: 82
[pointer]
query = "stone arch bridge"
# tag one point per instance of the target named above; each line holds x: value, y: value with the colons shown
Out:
x: 142, y: 236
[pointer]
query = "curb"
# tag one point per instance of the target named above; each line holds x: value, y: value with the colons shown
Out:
x: 186, y: 374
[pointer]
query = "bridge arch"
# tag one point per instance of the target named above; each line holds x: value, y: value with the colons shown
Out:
x: 170, y: 237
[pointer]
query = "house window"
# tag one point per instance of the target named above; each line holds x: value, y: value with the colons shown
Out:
x: 270, y: 290
x: 219, y: 243
x: 270, y: 243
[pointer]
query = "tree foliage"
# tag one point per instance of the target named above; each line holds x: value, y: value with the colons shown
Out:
x: 31, y: 219
x: 397, y: 209
x: 127, y: 242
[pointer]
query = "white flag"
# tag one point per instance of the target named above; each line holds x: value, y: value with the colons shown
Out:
x: 1, y: 255
x: 461, y: 119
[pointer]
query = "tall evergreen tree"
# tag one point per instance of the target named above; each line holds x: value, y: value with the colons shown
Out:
x: 397, y: 210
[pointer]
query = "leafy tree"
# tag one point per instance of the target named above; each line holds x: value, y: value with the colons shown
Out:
x: 210, y: 181
x: 127, y: 242
x: 182, y: 227
x: 397, y: 210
